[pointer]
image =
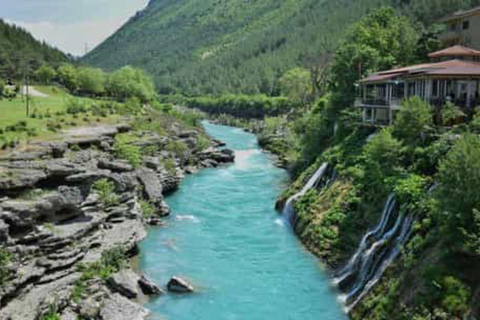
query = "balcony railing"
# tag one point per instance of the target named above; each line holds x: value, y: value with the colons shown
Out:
x: 360, y: 102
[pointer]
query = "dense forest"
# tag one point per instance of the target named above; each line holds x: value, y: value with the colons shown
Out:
x: 216, y: 46
x: 18, y: 49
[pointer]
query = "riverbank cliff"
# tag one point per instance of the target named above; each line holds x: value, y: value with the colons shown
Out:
x: 72, y: 211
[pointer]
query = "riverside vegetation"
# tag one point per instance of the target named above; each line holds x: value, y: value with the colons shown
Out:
x: 434, y: 275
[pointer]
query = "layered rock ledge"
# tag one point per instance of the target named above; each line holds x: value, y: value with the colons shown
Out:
x: 54, y: 224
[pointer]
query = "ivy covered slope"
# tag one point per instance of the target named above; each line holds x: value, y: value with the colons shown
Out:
x: 238, y: 46
x: 19, y: 48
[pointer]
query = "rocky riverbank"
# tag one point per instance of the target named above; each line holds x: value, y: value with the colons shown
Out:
x: 72, y: 213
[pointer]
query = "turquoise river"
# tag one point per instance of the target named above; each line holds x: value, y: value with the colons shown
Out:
x: 225, y: 237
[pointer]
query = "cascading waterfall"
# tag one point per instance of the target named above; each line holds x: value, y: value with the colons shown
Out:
x: 376, y: 252
x: 289, y: 210
x: 353, y: 263
x: 399, y: 242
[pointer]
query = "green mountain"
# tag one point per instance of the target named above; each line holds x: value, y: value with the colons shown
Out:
x: 219, y: 46
x: 19, y: 48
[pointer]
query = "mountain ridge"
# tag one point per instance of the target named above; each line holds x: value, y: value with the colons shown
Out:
x: 238, y: 46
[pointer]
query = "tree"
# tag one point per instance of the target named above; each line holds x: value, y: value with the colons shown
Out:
x: 382, y: 156
x: 67, y: 75
x: 379, y: 41
x: 296, y: 85
x: 414, y: 118
x: 459, y: 192
x: 319, y: 65
x: 91, y: 80
x: 449, y: 113
x: 429, y: 41
x: 130, y: 82
x: 45, y: 74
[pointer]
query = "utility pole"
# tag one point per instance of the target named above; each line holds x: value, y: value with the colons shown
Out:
x: 27, y: 98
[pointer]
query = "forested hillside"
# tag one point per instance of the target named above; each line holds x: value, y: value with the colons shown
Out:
x: 238, y: 46
x: 19, y: 48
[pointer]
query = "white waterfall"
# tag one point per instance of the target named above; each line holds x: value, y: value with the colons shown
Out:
x: 399, y: 242
x: 289, y: 210
x: 358, y: 256
x: 377, y: 251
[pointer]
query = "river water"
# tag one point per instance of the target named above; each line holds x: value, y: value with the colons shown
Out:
x: 225, y: 237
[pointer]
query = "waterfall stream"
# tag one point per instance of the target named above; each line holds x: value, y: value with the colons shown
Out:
x: 378, y: 248
x: 289, y: 210
x: 376, y: 252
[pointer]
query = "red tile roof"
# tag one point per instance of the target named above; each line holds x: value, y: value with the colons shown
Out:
x: 455, y: 51
x: 451, y: 67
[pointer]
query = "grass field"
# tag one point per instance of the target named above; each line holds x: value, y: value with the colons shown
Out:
x: 47, y: 116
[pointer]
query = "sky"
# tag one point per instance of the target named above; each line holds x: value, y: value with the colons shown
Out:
x: 70, y: 25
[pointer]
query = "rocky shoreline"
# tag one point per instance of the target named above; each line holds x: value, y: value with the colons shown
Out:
x: 57, y: 228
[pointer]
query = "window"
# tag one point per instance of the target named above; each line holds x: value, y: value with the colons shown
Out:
x: 466, y: 25
x: 435, y: 88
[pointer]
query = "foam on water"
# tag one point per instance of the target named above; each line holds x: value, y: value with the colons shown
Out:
x: 187, y: 218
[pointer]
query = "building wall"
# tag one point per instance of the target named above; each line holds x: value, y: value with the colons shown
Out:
x: 474, y: 32
x: 469, y: 37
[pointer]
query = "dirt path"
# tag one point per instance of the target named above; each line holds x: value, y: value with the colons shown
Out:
x: 32, y: 92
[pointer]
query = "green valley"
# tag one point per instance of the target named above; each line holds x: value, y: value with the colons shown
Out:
x: 369, y: 115
x: 199, y: 47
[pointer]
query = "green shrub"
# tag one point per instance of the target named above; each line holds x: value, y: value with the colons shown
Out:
x: 382, y: 165
x: 148, y: 210
x: 106, y: 191
x: 410, y: 190
x: 111, y: 261
x: 5, y: 258
x: 53, y: 126
x: 124, y: 149
x: 459, y: 192
x: 456, y: 297
x: 169, y: 165
x: 414, y: 118
x: 75, y: 106
x: 177, y: 147
x: 52, y: 313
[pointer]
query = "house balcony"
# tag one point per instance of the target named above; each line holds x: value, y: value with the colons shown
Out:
x: 371, y: 103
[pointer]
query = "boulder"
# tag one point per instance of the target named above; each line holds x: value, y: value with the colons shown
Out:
x: 149, y: 287
x: 123, y: 127
x: 179, y: 285
x: 151, y: 185
x: 88, y: 176
x: 62, y: 168
x: 116, y: 166
x: 126, y: 181
x: 125, y: 282
x: 20, y: 178
x: 118, y: 307
x: 187, y: 134
x: 218, y: 143
x: 68, y: 314
x: 170, y: 182
x: 151, y: 163
x: 3, y: 231
x: 89, y: 308
x: 155, y: 221
x: 60, y: 205
x: 163, y: 210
